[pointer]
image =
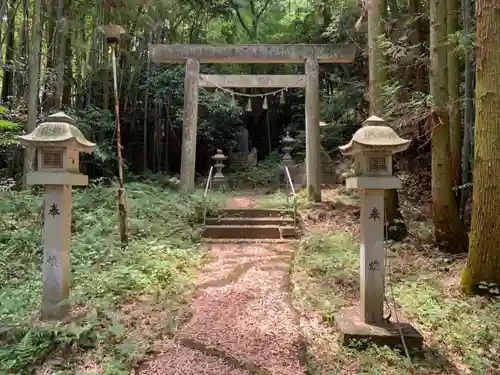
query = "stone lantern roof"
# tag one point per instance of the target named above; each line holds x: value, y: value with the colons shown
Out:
x: 58, y: 131
x: 112, y: 33
x: 287, y: 139
x: 375, y: 135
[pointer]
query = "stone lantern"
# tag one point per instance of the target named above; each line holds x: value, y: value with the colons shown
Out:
x: 59, y: 143
x: 372, y: 147
x: 287, y: 149
x: 219, y: 178
x: 112, y: 33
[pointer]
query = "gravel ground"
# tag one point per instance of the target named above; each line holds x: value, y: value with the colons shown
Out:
x: 246, y: 314
x: 241, y: 310
x: 176, y: 359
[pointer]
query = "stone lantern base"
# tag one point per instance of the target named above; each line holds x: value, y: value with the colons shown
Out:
x: 352, y: 328
x: 219, y: 181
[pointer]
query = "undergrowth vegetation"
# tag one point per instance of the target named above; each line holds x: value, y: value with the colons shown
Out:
x: 460, y: 332
x: 110, y: 286
x: 263, y: 174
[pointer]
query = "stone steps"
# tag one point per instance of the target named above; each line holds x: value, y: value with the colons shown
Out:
x: 248, y: 231
x: 247, y: 240
x: 251, y: 224
x: 256, y: 212
x: 258, y: 221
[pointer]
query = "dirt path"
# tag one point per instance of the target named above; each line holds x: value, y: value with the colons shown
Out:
x: 241, y: 320
x: 246, y: 201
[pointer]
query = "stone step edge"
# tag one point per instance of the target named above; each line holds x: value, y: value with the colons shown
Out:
x: 248, y: 240
x: 257, y: 219
x: 273, y: 226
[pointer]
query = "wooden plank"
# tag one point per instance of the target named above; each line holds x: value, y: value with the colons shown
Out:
x: 252, y: 53
x: 239, y: 80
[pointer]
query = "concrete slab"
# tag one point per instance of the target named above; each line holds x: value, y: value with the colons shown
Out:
x: 352, y: 328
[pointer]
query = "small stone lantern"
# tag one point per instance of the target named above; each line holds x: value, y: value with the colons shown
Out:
x: 372, y: 147
x: 219, y: 178
x: 59, y: 143
x: 112, y: 33
x: 287, y: 149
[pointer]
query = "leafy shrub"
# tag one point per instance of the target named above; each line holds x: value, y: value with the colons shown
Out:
x: 163, y: 226
x: 263, y: 174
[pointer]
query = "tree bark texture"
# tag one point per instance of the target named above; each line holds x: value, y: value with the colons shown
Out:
x: 397, y: 229
x: 468, y: 104
x: 483, y: 263
x: 376, y: 63
x: 449, y: 232
x: 33, y: 77
x: 454, y: 90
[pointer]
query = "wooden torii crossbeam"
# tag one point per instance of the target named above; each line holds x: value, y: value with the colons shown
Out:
x: 309, y: 54
x: 252, y: 53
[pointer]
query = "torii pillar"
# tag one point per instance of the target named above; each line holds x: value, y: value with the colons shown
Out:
x: 309, y: 54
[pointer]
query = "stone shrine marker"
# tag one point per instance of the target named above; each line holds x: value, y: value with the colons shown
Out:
x: 59, y: 143
x: 372, y: 146
x: 308, y: 54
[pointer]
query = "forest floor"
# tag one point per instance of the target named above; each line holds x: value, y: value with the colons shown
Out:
x: 129, y: 304
x: 460, y: 332
x: 124, y: 301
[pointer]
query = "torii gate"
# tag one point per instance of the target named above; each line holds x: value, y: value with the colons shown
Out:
x: 309, y: 54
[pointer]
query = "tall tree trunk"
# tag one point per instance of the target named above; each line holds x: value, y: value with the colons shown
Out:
x: 168, y: 131
x: 22, y: 52
x: 62, y: 31
x: 51, y: 42
x: 483, y: 262
x: 378, y: 76
x: 452, y: 7
x: 8, y: 70
x: 417, y: 40
x: 33, y: 76
x: 146, y: 111
x: 448, y: 229
x: 68, y: 70
x: 105, y: 62
x: 468, y: 104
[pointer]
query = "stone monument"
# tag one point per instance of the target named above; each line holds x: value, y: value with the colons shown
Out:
x: 219, y: 178
x: 372, y: 147
x: 239, y: 157
x: 59, y: 143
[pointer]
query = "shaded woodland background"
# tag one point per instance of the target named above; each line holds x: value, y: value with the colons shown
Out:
x: 75, y: 73
x: 54, y: 57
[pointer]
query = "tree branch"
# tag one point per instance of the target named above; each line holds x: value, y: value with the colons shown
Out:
x: 240, y: 18
x: 262, y: 10
x: 252, y: 8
